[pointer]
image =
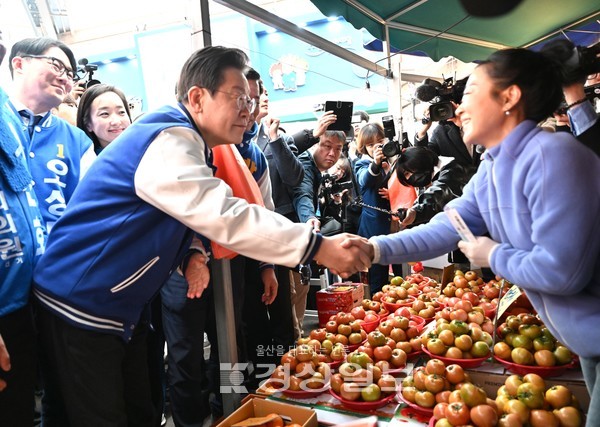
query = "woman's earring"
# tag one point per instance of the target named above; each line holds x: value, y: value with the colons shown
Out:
x: 507, y: 113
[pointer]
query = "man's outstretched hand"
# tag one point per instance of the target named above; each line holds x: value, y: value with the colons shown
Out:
x: 345, y: 254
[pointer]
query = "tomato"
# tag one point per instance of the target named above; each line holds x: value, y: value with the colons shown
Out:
x: 563, y: 355
x: 409, y: 393
x: 510, y: 420
x: 515, y: 406
x: 536, y: 380
x: 484, y: 416
x: 387, y: 383
x: 568, y: 416
x: 426, y: 399
x: 558, y: 396
x: 434, y: 383
x: 480, y: 349
x: 336, y: 382
x: 443, y: 396
x: 350, y: 391
x: 531, y: 395
x: 544, y: 358
x: 458, y: 413
x: 463, y: 342
x: 521, y: 356
x: 459, y: 327
x: 530, y: 331
x: 512, y: 383
x: 543, y: 343
x: 454, y: 353
x: 522, y: 341
x: 472, y: 395
x: 447, y: 337
x: 435, y: 366
x: 371, y: 393
x: 542, y: 418
x: 436, y: 346
x: 439, y: 410
x: 502, y: 350
x: 382, y: 353
x: 376, y: 339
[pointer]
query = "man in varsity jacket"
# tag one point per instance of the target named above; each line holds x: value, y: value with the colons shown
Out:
x: 129, y: 225
x: 58, y: 153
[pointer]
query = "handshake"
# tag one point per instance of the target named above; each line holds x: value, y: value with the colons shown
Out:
x: 345, y: 254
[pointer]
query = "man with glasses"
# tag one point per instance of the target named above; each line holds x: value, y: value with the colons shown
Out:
x: 23, y: 242
x: 129, y: 226
x: 58, y: 153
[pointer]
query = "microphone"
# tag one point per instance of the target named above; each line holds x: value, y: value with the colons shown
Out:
x: 428, y: 90
x: 425, y: 93
x: 480, y: 149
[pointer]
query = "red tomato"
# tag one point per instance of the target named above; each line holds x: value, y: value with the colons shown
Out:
x: 458, y: 413
x: 484, y: 416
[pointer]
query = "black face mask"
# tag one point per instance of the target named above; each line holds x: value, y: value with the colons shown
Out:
x: 421, y: 179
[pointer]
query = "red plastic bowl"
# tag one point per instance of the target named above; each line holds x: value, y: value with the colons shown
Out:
x: 419, y: 322
x: 418, y: 409
x: 336, y: 364
x: 542, y: 371
x: 370, y: 326
x: 391, y: 307
x: 359, y: 405
x: 305, y: 394
x: 432, y: 422
x: 465, y: 363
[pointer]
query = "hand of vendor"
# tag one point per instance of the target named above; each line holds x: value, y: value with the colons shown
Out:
x: 270, y: 285
x: 197, y: 275
x: 480, y: 251
x: 409, y: 218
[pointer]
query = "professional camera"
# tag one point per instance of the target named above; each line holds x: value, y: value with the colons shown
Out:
x: 331, y: 185
x: 86, y: 71
x: 392, y: 147
x: 575, y: 62
x: 441, y: 96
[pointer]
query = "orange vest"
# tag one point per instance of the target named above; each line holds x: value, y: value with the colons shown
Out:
x: 401, y: 197
x: 232, y: 169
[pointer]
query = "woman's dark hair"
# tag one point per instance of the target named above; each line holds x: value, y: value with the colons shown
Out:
x: 415, y: 160
x: 537, y: 76
x: 368, y: 133
x: 85, y: 108
x: 206, y: 68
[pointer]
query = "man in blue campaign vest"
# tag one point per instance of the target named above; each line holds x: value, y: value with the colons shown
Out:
x: 58, y: 153
x: 22, y: 242
x: 128, y: 227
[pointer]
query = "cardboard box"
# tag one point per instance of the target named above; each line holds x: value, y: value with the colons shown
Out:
x: 490, y: 376
x: 338, y: 297
x: 258, y: 407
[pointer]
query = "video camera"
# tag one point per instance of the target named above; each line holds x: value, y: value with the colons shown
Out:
x: 392, y: 147
x: 575, y: 62
x: 86, y: 70
x: 440, y: 96
x: 331, y: 185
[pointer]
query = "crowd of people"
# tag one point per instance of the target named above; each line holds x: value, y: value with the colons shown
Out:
x: 111, y: 224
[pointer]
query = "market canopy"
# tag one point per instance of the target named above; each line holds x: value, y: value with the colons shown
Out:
x: 441, y: 28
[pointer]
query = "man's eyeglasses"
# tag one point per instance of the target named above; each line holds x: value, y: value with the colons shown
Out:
x: 57, y: 65
x: 243, y: 100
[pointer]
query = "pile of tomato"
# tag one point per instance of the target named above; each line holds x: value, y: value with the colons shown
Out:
x: 526, y: 400
x: 526, y: 341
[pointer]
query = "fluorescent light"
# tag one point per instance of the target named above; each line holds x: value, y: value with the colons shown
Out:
x: 106, y: 61
x: 333, y: 18
x: 271, y: 30
x: 131, y: 56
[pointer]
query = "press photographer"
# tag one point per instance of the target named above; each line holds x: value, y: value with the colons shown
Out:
x: 579, y: 66
x: 446, y: 139
x: 338, y: 213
